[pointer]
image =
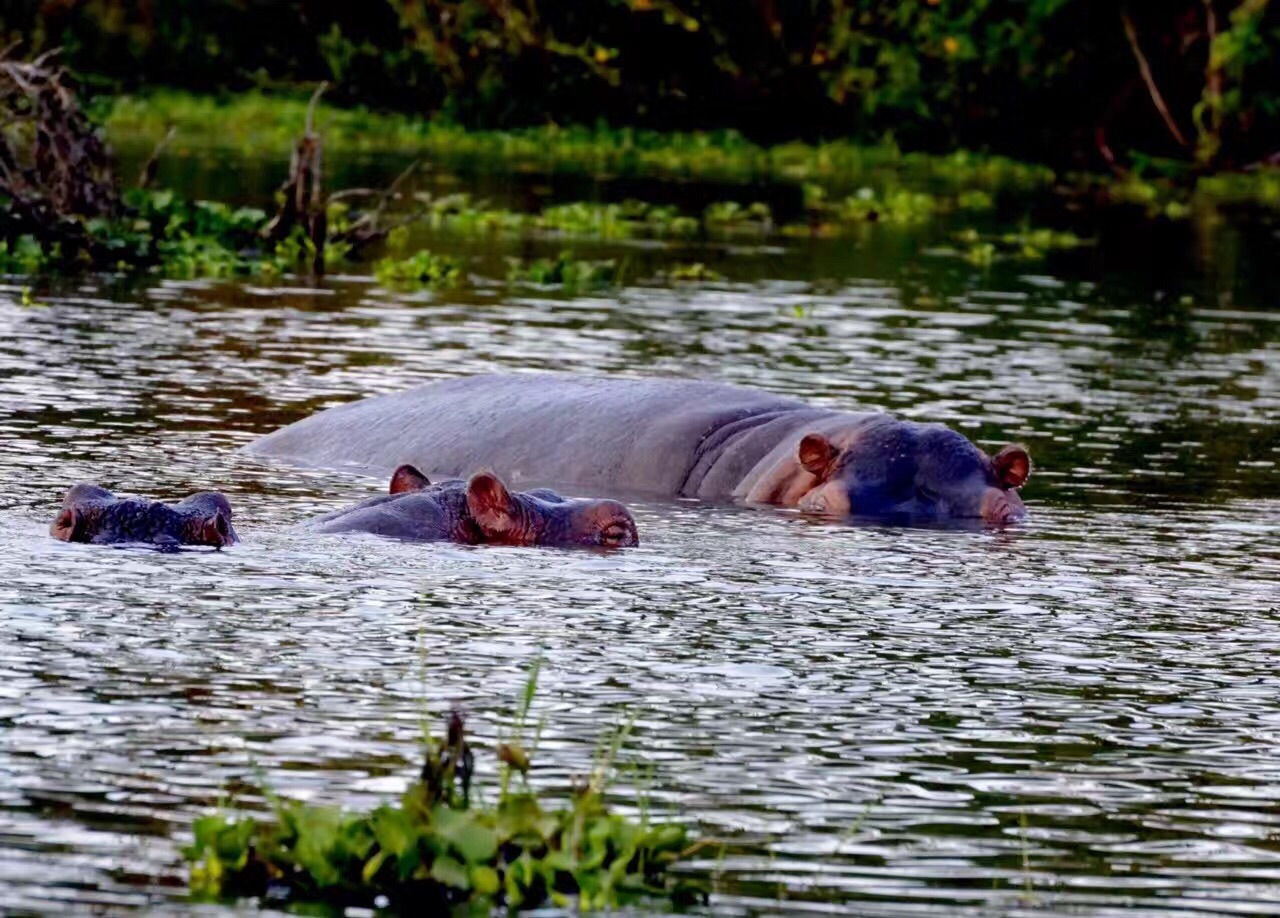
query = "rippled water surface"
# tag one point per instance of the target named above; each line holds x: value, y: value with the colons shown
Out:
x: 1074, y: 715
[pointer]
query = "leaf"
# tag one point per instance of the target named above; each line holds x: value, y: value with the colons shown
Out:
x: 393, y: 830
x: 372, y: 867
x: 475, y: 843
x: 485, y: 881
x: 317, y: 833
x: 449, y: 872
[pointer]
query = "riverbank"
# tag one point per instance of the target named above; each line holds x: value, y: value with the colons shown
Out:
x: 255, y: 123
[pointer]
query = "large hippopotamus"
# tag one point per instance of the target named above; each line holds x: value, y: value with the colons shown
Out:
x: 482, y: 511
x: 93, y: 514
x: 668, y: 437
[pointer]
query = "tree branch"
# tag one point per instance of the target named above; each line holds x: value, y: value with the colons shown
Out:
x: 1152, y: 89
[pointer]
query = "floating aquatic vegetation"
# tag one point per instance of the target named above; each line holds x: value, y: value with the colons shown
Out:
x: 601, y: 221
x: 695, y: 272
x: 441, y: 848
x: 574, y: 275
x: 895, y: 205
x: 1259, y: 186
x: 1030, y: 244
x: 421, y: 269
x: 731, y: 217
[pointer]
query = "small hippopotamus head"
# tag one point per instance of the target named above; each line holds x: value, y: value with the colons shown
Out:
x: 919, y: 471
x: 538, y: 517
x: 93, y: 514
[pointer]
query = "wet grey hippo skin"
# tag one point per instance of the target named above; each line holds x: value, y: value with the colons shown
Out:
x: 667, y: 437
x: 93, y: 514
x: 482, y: 510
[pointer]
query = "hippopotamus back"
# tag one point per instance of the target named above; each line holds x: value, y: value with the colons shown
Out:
x: 672, y: 438
x: 640, y: 434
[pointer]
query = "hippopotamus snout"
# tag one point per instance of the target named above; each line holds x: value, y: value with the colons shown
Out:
x: 95, y: 515
x: 1002, y: 506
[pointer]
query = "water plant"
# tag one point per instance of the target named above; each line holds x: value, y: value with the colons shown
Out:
x: 421, y: 269
x: 1027, y: 243
x: 731, y: 217
x: 692, y: 272
x: 439, y: 847
x: 574, y: 275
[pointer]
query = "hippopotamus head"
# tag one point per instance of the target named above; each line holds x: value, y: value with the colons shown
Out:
x: 93, y: 514
x: 537, y: 517
x: 921, y: 471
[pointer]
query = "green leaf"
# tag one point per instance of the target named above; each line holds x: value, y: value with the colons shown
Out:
x: 449, y: 872
x: 485, y: 881
x: 372, y: 867
x: 473, y: 842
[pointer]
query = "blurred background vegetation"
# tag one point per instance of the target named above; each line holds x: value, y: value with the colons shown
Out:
x: 1178, y: 84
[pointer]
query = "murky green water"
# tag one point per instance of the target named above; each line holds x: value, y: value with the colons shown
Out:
x: 1076, y: 715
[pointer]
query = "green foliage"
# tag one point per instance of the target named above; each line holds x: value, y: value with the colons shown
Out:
x: 1027, y: 244
x: 693, y: 273
x: 892, y: 204
x: 421, y: 269
x: 21, y: 255
x: 1033, y: 78
x: 574, y: 275
x: 1260, y: 187
x: 730, y: 217
x: 261, y: 124
x: 158, y: 232
x: 434, y: 849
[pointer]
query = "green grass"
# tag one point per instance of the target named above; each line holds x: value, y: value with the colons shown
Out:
x: 437, y: 848
x: 261, y: 124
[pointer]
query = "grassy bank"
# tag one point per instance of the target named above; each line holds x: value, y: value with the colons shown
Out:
x: 257, y: 124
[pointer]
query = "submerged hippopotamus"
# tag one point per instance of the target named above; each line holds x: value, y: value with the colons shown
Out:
x: 677, y: 438
x: 482, y: 510
x: 93, y: 514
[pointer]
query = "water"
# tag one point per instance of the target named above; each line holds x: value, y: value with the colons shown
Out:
x: 1076, y: 715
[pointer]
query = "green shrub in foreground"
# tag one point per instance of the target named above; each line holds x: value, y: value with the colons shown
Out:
x: 436, y: 849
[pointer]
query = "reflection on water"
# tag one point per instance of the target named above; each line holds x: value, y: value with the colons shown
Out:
x: 1079, y: 713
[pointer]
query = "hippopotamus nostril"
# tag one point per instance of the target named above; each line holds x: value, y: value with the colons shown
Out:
x: 1002, y: 507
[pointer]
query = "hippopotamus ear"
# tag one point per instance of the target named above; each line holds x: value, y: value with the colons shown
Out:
x: 216, y: 530
x: 407, y: 478
x: 1012, y: 465
x: 64, y: 527
x: 816, y: 454
x: 490, y: 504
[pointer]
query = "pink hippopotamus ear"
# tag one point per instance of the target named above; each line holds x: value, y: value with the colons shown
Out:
x: 64, y: 527
x: 492, y: 506
x: 816, y: 453
x: 1013, y: 466
x: 407, y: 478
x: 216, y: 530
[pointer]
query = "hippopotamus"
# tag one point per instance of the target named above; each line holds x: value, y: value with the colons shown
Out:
x: 482, y: 510
x: 669, y: 437
x: 93, y: 514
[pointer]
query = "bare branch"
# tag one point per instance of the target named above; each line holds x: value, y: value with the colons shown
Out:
x: 311, y: 107
x: 148, y: 173
x: 1153, y: 90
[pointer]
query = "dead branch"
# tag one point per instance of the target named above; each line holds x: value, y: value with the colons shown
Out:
x: 148, y: 173
x: 55, y: 170
x: 1131, y: 33
x: 303, y: 201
